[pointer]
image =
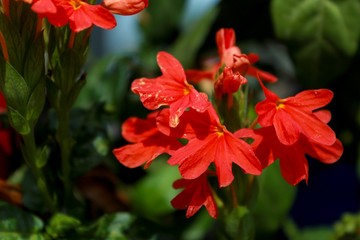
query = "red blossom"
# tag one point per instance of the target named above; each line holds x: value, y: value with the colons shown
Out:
x: 79, y: 14
x: 197, y: 193
x: 294, y: 116
x: 228, y: 82
x: 293, y: 163
x: 209, y: 142
x: 231, y: 56
x: 147, y: 142
x: 171, y: 89
x: 125, y: 7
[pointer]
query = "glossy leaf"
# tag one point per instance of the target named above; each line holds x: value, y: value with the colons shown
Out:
x: 322, y: 35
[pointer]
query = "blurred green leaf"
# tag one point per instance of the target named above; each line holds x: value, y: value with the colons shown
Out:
x: 347, y: 228
x: 107, y: 81
x: 188, y: 43
x: 152, y: 194
x: 160, y: 21
x: 61, y: 225
x: 275, y: 199
x: 18, y: 224
x: 237, y: 224
x: 322, y: 35
x: 309, y: 233
x: 42, y: 157
x: 109, y: 226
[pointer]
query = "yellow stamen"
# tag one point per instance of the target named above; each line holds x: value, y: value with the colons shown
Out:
x: 187, y: 89
x: 76, y: 3
x: 280, y: 104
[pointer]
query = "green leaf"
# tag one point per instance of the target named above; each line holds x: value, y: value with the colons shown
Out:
x: 18, y: 122
x: 152, y: 194
x: 18, y: 224
x: 107, y: 81
x: 309, y: 233
x: 36, y: 102
x: 186, y: 46
x: 109, y: 226
x: 34, y: 68
x: 14, y: 43
x: 274, y: 201
x: 61, y: 225
x: 42, y: 157
x: 322, y: 35
x: 237, y: 224
x: 15, y: 89
x: 67, y: 71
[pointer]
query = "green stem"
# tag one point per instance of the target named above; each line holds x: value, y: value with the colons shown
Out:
x: 65, y: 142
x: 30, y: 155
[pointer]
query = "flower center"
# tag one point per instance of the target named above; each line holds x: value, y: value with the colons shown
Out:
x: 280, y: 104
x: 187, y: 89
x: 76, y: 4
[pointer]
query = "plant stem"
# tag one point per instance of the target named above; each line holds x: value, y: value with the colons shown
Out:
x: 30, y: 155
x: 65, y: 142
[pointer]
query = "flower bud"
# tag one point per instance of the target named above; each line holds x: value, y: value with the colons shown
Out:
x: 125, y: 7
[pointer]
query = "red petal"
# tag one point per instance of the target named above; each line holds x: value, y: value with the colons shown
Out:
x: 323, y: 153
x: 225, y: 38
x: 266, y: 111
x: 197, y: 193
x: 136, y: 130
x: 195, y: 157
x: 44, y: 7
x: 78, y: 19
x: 323, y: 115
x: 171, y: 67
x: 311, y: 126
x: 135, y: 155
x: 310, y: 100
x: 287, y: 130
x: 293, y: 165
x: 262, y: 75
x: 195, y: 76
x: 100, y: 16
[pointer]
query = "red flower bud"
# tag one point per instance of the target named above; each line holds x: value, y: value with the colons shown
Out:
x: 125, y: 7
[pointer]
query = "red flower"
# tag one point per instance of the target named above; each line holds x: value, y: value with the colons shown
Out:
x: 171, y: 89
x: 293, y: 163
x: 79, y: 14
x: 197, y: 193
x: 125, y: 7
x: 228, y: 83
x: 293, y: 116
x: 147, y: 142
x: 231, y: 56
x: 209, y: 142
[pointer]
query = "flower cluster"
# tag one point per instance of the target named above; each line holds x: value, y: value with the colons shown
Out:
x: 81, y: 15
x: 285, y: 129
